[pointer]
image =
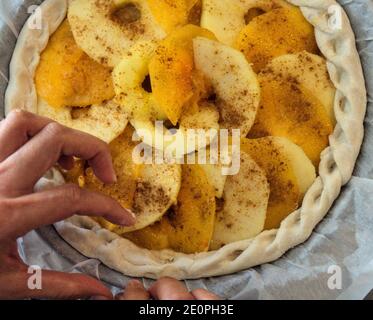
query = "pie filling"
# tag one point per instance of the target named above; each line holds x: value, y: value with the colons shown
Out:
x: 113, y: 68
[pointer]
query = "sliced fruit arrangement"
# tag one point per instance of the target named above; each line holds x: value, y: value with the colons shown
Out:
x: 67, y: 77
x: 226, y: 18
x: 235, y: 83
x: 290, y: 109
x: 242, y: 211
x: 105, y: 121
x: 278, y: 32
x: 106, y: 29
x: 251, y: 65
x: 123, y: 23
x: 189, y: 225
x: 185, y: 70
x: 215, y: 177
x: 75, y: 90
x: 147, y: 190
x: 172, y: 70
x: 289, y: 172
x: 310, y: 71
x: 171, y: 14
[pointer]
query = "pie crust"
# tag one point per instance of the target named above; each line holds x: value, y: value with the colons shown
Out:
x: 336, y: 166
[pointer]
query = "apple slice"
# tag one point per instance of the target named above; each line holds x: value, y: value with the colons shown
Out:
x: 226, y: 18
x: 107, y: 29
x: 290, y: 110
x: 244, y: 207
x: 143, y: 109
x: 148, y: 190
x: 214, y: 175
x: 188, y: 226
x: 278, y: 32
x: 234, y: 82
x: 105, y: 121
x: 310, y: 71
x: 288, y: 170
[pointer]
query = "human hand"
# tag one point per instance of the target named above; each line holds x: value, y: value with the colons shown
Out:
x: 164, y: 289
x: 29, y: 146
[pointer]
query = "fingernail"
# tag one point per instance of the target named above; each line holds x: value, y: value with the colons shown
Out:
x: 129, y: 220
x: 114, y: 178
x: 132, y: 214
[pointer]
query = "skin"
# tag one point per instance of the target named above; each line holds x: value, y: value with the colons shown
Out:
x: 29, y: 146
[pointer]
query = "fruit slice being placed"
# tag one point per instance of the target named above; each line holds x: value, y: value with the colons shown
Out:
x: 107, y: 29
x: 289, y: 173
x: 310, y: 71
x: 188, y: 226
x: 67, y: 77
x: 148, y: 190
x: 226, y: 18
x: 234, y: 82
x: 242, y: 211
x: 289, y: 110
x: 75, y: 90
x: 278, y: 32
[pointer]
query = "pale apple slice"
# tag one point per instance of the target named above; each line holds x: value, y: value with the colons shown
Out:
x: 105, y: 121
x: 234, y: 82
x: 189, y: 225
x: 311, y: 72
x: 107, y: 29
x: 215, y: 177
x: 245, y: 200
x: 289, y: 172
x: 149, y: 190
x: 226, y: 18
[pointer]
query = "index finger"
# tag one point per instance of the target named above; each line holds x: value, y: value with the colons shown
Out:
x: 29, y: 163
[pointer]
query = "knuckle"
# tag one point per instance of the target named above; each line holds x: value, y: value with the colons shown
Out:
x: 55, y: 129
x: 72, y: 193
x: 103, y: 147
x: 18, y: 117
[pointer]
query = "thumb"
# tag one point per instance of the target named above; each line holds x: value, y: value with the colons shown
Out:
x: 57, y: 285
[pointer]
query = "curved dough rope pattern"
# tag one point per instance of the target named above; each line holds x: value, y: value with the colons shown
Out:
x: 336, y: 166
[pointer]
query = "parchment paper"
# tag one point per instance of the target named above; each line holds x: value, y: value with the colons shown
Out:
x: 341, y: 244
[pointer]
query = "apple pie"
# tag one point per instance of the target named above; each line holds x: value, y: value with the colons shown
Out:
x: 285, y: 74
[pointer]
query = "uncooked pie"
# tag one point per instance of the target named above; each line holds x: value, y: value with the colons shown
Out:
x: 276, y: 70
